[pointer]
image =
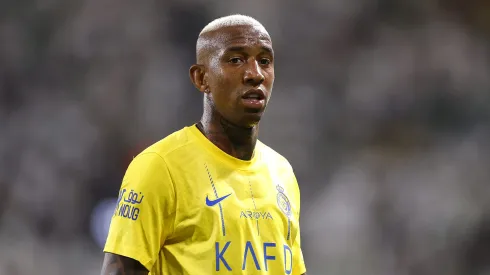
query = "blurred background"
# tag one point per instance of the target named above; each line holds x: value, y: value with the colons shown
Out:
x: 381, y: 106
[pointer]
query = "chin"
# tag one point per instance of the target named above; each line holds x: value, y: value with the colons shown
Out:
x: 245, y: 119
x: 250, y: 120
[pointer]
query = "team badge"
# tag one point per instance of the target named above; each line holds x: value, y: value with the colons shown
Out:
x: 283, y: 201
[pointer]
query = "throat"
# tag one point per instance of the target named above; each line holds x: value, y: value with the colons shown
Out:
x: 235, y: 141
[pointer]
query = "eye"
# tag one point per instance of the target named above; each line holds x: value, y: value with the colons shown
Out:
x: 235, y: 60
x: 265, y: 61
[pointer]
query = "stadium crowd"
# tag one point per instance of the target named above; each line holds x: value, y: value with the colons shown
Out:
x: 381, y: 106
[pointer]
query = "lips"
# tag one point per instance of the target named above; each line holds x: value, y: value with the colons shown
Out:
x: 254, y: 100
x: 256, y: 94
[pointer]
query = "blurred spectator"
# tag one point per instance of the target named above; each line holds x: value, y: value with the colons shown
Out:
x: 381, y: 106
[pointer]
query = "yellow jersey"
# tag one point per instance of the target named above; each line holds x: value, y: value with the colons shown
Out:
x: 186, y: 207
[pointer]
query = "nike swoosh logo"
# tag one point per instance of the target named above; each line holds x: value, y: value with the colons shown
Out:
x: 216, y: 201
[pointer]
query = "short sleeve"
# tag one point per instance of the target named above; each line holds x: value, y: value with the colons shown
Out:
x: 145, y: 211
x: 299, y: 266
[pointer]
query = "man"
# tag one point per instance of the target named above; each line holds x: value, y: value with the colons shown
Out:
x: 211, y: 198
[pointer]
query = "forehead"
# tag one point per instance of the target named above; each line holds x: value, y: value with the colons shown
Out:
x: 245, y: 36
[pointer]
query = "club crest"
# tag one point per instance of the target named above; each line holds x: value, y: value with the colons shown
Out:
x: 283, y: 201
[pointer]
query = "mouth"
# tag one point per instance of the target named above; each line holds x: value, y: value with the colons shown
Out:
x: 254, y: 94
x: 254, y: 101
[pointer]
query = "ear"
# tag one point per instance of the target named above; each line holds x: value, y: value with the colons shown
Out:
x: 197, y: 74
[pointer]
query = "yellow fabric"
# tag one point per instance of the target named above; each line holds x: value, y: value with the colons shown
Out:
x: 186, y: 207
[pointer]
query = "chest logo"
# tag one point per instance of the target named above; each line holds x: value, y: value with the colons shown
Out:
x: 283, y: 201
x: 216, y: 201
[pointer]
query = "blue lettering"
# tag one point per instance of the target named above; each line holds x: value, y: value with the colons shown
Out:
x: 135, y: 213
x: 288, y: 271
x: 219, y: 256
x: 255, y: 215
x: 122, y: 209
x: 128, y: 211
x: 247, y: 247
x: 266, y: 257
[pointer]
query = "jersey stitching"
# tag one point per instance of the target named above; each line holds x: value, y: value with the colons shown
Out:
x: 219, y: 204
x: 255, y: 206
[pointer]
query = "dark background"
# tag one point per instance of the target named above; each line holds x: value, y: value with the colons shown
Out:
x: 381, y: 106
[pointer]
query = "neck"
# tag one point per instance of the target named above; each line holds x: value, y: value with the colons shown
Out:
x: 236, y: 141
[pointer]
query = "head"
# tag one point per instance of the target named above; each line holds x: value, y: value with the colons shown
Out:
x: 235, y: 69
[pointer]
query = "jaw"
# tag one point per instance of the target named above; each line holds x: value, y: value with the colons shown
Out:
x: 250, y: 120
x: 246, y: 118
x: 240, y: 118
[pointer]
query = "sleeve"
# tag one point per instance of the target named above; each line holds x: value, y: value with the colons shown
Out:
x: 145, y: 211
x: 299, y: 266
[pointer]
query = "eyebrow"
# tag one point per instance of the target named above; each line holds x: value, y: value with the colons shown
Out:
x: 242, y: 49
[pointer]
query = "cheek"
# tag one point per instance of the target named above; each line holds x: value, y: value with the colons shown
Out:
x: 226, y: 83
x: 215, y: 72
x: 222, y: 88
x: 218, y: 76
x: 270, y: 79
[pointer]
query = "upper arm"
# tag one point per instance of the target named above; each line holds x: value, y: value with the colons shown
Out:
x: 119, y: 265
x: 143, y: 217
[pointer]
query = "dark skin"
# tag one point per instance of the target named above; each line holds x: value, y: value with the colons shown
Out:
x: 230, y: 62
x: 118, y: 265
x: 233, y: 61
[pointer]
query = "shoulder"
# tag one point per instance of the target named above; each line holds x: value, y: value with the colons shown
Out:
x: 280, y: 166
x: 177, y: 140
x: 284, y: 173
x: 149, y: 171
x: 272, y: 157
x: 155, y: 158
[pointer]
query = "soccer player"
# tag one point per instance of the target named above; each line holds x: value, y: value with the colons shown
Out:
x: 211, y: 198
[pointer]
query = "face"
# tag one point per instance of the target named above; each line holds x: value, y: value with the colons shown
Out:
x: 240, y: 74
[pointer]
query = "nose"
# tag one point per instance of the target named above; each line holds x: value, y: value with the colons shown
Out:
x: 253, y: 74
